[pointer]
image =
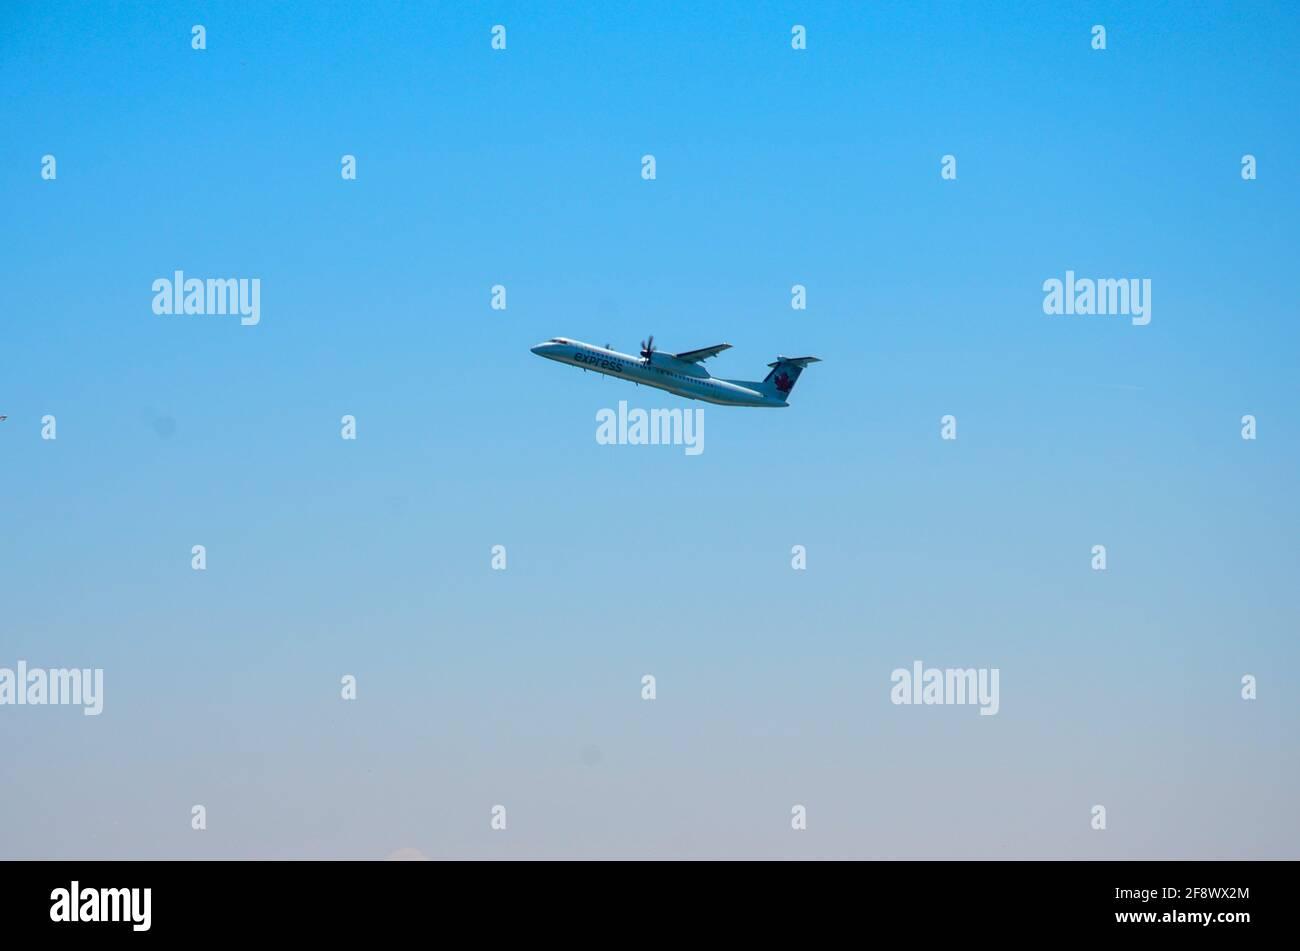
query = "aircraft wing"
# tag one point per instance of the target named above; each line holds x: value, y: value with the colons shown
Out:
x: 695, y: 356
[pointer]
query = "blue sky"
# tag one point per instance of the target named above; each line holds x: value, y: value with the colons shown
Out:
x: 775, y: 167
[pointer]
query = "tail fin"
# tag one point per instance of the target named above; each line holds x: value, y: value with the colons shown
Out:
x: 783, y: 375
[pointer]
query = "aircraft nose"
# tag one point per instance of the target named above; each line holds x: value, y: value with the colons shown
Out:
x: 537, y: 349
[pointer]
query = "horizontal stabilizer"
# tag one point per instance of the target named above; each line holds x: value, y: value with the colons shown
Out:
x: 797, y: 361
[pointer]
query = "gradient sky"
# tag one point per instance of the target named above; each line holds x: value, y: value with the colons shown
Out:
x: 328, y: 557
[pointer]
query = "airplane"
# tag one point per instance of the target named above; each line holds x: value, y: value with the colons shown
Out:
x: 680, y: 373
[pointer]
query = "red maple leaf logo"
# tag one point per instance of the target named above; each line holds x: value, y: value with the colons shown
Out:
x: 783, y: 382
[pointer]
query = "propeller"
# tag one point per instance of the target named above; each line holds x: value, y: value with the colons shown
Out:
x: 648, y: 349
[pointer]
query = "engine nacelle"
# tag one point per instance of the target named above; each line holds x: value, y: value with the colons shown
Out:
x: 666, y: 361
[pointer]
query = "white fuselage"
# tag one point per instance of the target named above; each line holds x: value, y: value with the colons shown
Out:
x: 663, y: 371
